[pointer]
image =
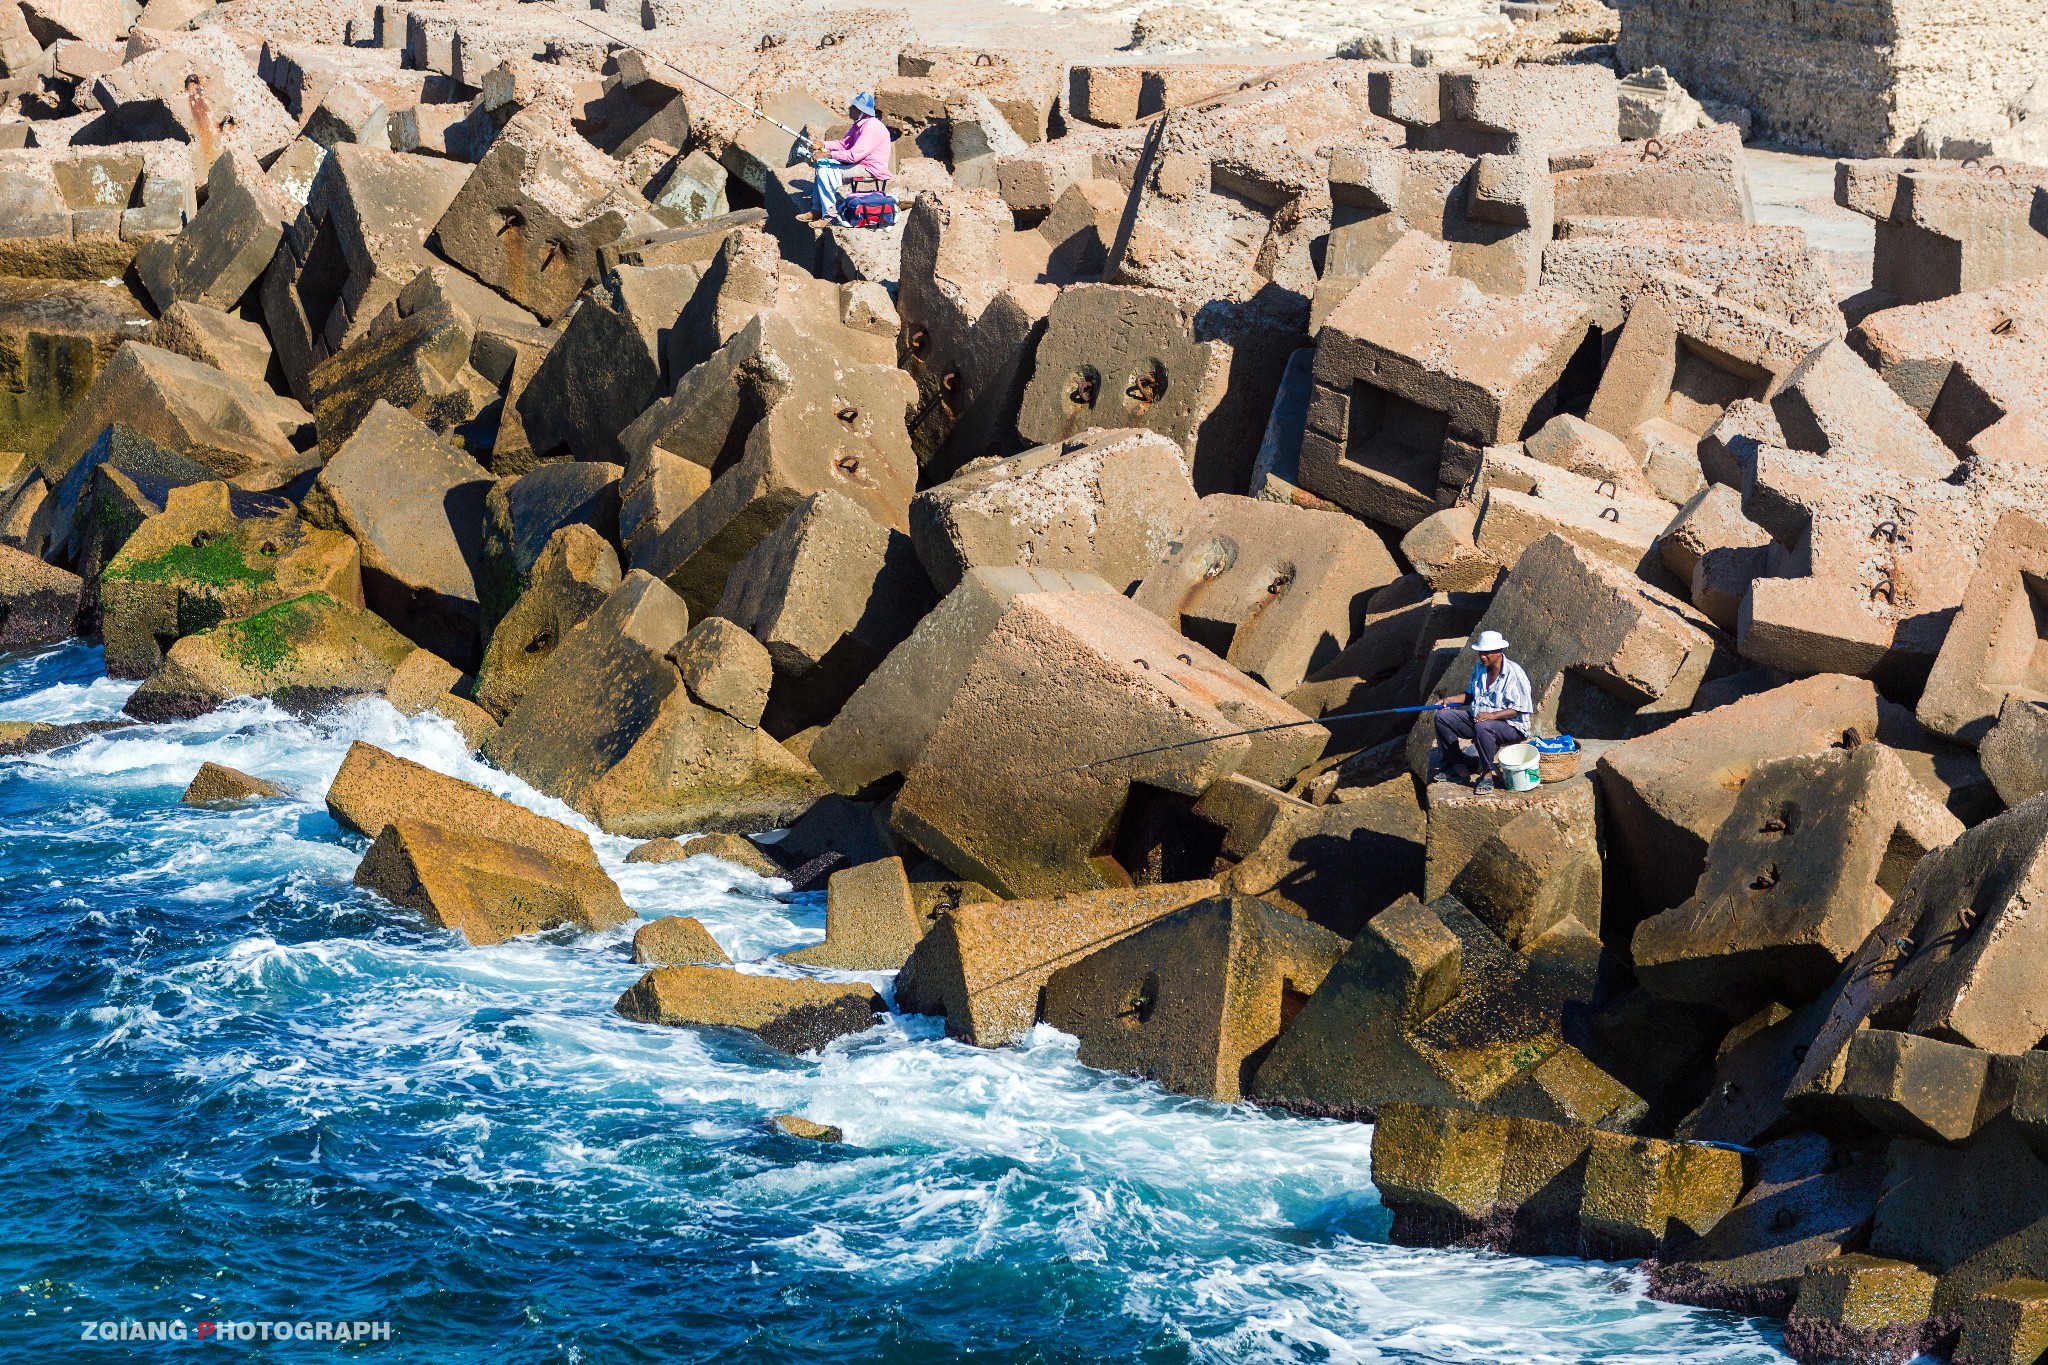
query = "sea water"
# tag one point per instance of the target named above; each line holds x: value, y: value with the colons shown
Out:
x: 238, y: 1090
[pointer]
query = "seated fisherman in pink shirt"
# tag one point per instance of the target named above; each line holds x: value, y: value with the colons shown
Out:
x: 864, y: 151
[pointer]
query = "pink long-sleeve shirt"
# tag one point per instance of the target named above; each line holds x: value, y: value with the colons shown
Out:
x: 865, y: 148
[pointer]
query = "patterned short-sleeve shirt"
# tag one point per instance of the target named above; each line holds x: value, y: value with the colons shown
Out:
x: 1509, y: 692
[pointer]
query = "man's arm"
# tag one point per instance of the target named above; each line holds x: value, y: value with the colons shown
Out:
x: 832, y: 151
x: 1520, y: 704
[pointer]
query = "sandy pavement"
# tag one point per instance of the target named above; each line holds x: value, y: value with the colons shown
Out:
x: 1790, y: 189
x: 1190, y: 30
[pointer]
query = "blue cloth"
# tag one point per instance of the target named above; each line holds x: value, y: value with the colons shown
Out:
x: 1509, y: 692
x: 865, y: 102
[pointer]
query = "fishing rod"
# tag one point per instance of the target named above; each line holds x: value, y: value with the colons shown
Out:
x: 803, y: 141
x: 1261, y: 730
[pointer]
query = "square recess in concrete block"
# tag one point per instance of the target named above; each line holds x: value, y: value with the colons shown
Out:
x: 1395, y: 439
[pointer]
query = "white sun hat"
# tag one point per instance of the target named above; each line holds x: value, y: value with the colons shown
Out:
x: 1489, y: 641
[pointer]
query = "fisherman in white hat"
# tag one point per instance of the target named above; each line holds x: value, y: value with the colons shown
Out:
x: 1494, y: 709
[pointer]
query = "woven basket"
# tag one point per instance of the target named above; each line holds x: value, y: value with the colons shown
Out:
x: 1558, y: 767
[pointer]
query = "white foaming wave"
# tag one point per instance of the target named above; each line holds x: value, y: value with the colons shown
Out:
x: 263, y: 966
x: 384, y: 1006
x: 66, y: 703
x: 301, y: 753
x: 959, y: 1152
x: 431, y: 741
x: 738, y: 908
x: 1062, y: 1171
x: 60, y: 685
x: 1240, y: 1233
x: 123, y: 1025
x: 1358, y: 1301
x: 248, y: 733
x: 1033, y: 1104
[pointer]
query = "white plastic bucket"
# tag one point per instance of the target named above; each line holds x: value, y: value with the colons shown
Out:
x: 1520, y: 766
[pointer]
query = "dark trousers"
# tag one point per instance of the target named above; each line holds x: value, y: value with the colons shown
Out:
x: 1456, y: 723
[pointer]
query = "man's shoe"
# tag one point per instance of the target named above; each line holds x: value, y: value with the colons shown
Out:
x: 1482, y: 787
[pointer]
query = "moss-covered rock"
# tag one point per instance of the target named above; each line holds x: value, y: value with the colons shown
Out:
x: 305, y: 653
x: 1646, y: 1197
x: 196, y: 564
x: 1862, y: 1307
x: 120, y: 482
x: 1812, y: 1200
x: 1430, y: 1006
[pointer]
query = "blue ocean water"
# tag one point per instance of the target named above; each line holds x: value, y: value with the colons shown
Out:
x: 239, y: 1090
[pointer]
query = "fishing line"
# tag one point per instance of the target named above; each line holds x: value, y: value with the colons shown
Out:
x: 606, y: 33
x: 1261, y: 730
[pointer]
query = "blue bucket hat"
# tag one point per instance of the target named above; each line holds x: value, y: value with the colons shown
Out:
x: 865, y: 102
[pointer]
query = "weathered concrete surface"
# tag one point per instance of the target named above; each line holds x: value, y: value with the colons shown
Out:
x: 1105, y: 502
x: 1669, y: 792
x: 883, y: 728
x: 415, y: 504
x: 1024, y: 797
x: 1838, y: 83
x: 1193, y: 998
x: 1417, y: 371
x: 1278, y: 591
x: 1796, y: 877
x: 485, y: 888
x: 244, y: 434
x: 983, y: 965
x: 373, y: 789
x: 218, y: 784
x: 574, y: 575
x: 788, y: 1014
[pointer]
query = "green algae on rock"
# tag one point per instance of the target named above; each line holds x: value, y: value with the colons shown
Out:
x: 304, y: 653
x: 197, y: 564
